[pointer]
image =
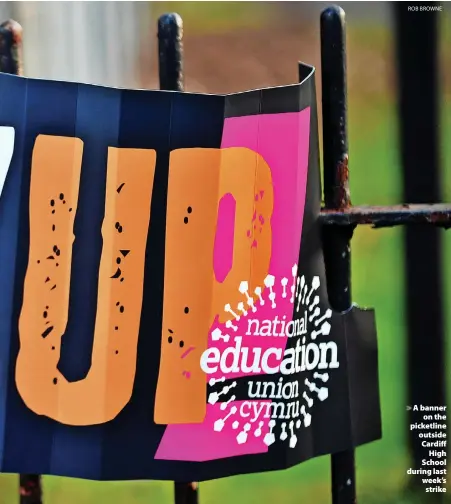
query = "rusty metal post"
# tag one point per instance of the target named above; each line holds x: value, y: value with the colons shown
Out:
x: 11, y: 48
x: 170, y: 65
x: 30, y: 490
x: 337, y: 248
x: 186, y: 493
x: 432, y: 215
x: 418, y: 104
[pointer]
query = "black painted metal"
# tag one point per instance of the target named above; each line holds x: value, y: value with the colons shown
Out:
x: 418, y: 73
x: 337, y: 249
x: 186, y: 493
x: 11, y: 47
x: 170, y: 52
x: 170, y: 65
x: 30, y: 489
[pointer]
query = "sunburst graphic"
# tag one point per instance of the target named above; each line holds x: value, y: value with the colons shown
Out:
x: 303, y: 295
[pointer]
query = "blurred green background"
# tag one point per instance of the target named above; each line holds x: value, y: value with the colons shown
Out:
x: 233, y: 46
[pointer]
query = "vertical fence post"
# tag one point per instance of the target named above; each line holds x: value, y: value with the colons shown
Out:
x: 417, y: 57
x: 170, y: 66
x: 11, y: 48
x: 30, y: 491
x: 170, y: 52
x: 337, y: 249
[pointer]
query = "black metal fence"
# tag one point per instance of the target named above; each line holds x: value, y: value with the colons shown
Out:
x: 419, y: 133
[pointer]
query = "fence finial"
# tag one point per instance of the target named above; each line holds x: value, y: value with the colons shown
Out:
x: 333, y: 72
x: 170, y: 52
x: 11, y: 48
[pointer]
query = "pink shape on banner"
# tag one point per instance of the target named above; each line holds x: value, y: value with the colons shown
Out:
x: 200, y: 442
x: 283, y: 141
x: 223, y: 251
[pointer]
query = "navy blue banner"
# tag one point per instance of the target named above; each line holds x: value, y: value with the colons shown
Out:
x: 162, y: 287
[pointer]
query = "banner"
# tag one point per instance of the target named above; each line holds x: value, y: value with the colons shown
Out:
x: 162, y: 287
